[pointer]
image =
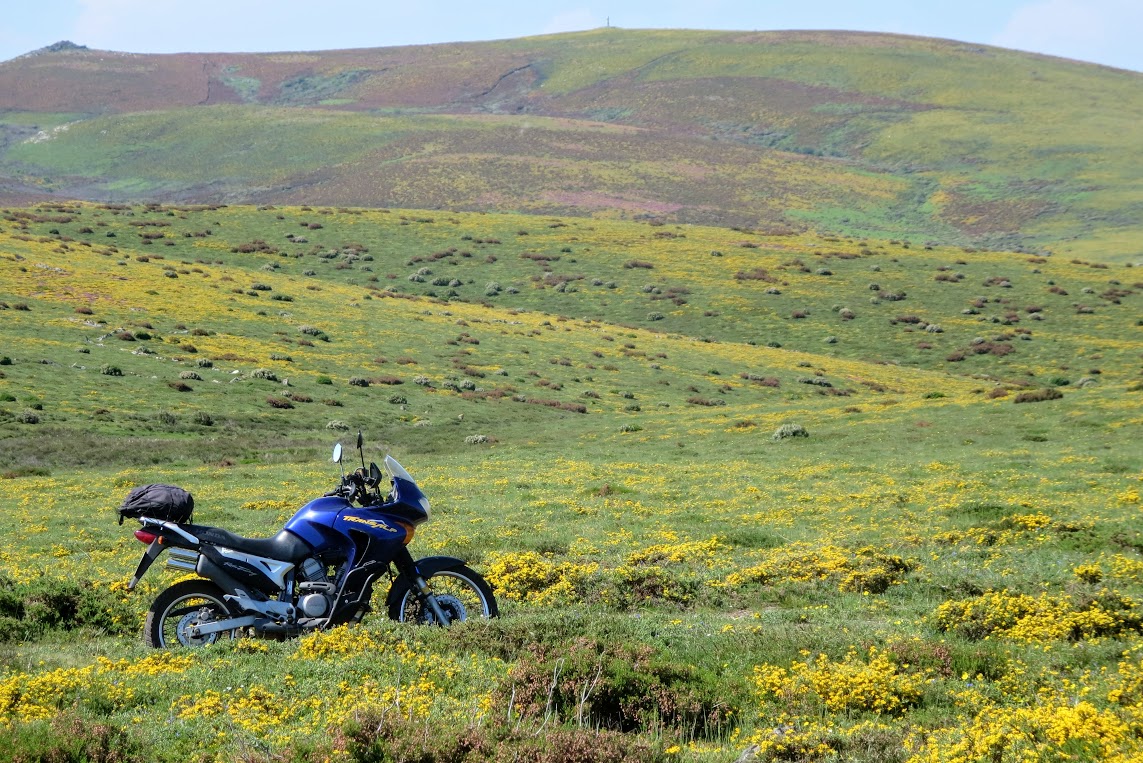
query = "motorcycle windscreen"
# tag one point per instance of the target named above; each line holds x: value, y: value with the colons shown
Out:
x: 405, y: 490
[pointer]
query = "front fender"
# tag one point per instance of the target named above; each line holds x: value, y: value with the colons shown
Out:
x: 426, y: 567
x: 431, y: 565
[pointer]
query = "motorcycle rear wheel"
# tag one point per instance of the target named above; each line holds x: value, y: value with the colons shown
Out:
x: 177, y: 609
x: 460, y: 591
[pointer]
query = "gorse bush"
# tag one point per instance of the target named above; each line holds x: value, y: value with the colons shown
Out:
x: 1046, y: 618
x: 872, y: 683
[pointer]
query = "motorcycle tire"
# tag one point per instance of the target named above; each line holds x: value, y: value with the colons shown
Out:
x: 186, y: 603
x: 460, y: 591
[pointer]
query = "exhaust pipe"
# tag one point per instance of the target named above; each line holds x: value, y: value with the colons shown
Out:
x: 182, y: 559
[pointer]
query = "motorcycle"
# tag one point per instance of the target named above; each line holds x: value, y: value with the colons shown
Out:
x: 318, y: 572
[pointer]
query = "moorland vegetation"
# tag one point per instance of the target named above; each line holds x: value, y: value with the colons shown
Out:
x: 814, y: 496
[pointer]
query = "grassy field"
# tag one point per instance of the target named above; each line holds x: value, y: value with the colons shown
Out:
x: 938, y: 571
x: 856, y: 134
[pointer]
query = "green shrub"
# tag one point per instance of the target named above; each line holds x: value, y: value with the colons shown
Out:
x: 789, y: 430
x: 314, y: 332
x: 1038, y: 396
x: 48, y: 604
x: 69, y: 738
x: 379, y: 736
x: 617, y: 687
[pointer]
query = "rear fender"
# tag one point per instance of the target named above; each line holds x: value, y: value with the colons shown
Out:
x: 167, y: 535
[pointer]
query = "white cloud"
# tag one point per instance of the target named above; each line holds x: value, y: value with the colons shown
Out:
x: 573, y: 21
x: 1104, y: 30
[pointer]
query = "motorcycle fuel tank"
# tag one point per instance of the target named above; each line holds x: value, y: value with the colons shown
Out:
x: 316, y: 523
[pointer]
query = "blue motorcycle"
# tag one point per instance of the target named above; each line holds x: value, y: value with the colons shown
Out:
x: 317, y: 573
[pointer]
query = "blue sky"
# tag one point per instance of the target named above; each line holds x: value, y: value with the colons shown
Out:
x: 1101, y: 31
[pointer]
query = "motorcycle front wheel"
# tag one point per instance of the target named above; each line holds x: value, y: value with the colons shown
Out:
x: 179, y: 608
x: 460, y: 591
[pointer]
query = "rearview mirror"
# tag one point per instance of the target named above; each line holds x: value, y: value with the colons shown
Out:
x: 374, y: 475
x: 336, y: 453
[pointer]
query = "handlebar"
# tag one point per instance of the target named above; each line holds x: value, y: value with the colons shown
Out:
x: 353, y: 487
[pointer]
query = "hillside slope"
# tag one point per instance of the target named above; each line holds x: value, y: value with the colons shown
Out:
x: 950, y: 534
x: 856, y: 133
x: 159, y: 321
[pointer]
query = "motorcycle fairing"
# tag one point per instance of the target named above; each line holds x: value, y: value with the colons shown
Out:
x: 242, y: 570
x: 372, y: 522
x: 273, y: 569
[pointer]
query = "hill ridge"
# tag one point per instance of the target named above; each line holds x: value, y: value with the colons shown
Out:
x: 858, y: 133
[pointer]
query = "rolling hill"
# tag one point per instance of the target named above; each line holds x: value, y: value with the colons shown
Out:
x: 859, y: 134
x: 851, y: 473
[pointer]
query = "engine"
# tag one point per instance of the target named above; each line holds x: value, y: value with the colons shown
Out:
x: 316, y: 588
x: 312, y: 570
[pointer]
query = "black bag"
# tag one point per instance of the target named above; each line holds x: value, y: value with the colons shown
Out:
x: 166, y: 502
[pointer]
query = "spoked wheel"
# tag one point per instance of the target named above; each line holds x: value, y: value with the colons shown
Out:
x: 181, y: 607
x: 460, y: 592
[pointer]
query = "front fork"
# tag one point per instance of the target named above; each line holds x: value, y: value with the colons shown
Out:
x: 406, y: 566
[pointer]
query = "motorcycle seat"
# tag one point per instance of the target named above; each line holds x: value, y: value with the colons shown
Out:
x: 283, y: 547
